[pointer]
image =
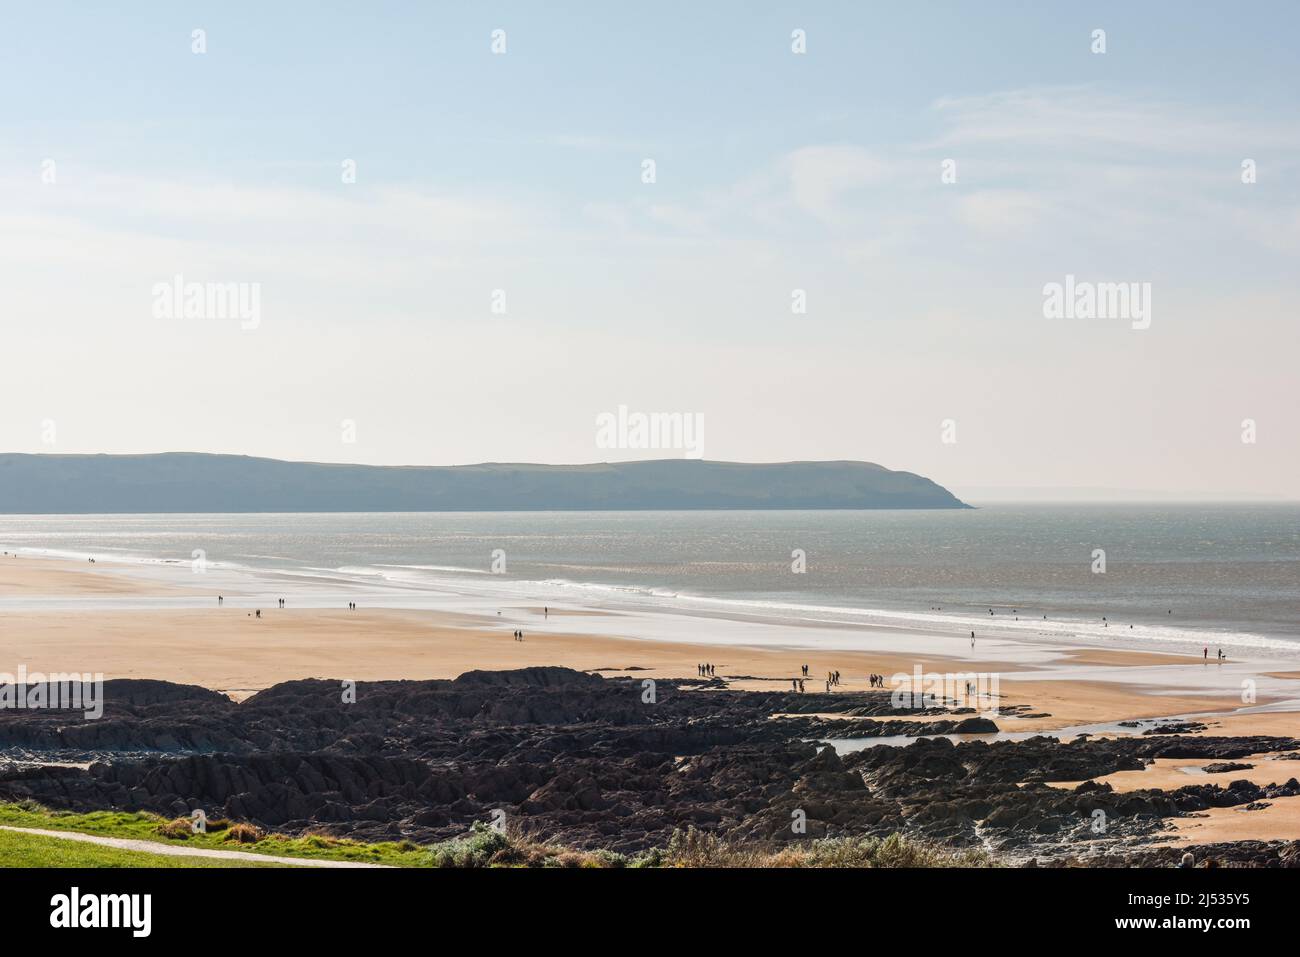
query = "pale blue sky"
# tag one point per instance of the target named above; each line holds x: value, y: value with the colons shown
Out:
x: 775, y: 171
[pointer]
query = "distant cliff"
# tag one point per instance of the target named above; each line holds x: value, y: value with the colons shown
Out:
x: 196, y: 482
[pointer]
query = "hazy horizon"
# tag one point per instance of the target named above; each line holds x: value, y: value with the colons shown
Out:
x: 458, y: 257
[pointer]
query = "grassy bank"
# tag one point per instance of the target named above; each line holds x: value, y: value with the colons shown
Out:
x: 482, y: 846
x: 37, y: 850
x: 220, y: 835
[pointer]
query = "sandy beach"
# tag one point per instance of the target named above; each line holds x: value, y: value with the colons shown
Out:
x: 228, y: 648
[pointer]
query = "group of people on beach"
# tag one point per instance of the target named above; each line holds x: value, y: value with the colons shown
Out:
x: 519, y: 635
x: 832, y: 679
x: 705, y: 671
x: 876, y: 681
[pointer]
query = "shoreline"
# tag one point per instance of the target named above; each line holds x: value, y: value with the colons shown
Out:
x: 130, y: 626
x: 410, y: 586
x: 325, y: 588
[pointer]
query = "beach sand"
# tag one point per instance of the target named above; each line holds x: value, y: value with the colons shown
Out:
x: 1170, y: 773
x: 1279, y: 821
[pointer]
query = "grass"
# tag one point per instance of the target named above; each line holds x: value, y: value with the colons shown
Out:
x: 481, y: 846
x: 37, y: 850
x: 220, y: 835
x: 485, y: 847
x: 692, y: 848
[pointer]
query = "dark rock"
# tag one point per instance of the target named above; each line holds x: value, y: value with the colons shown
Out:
x: 583, y: 760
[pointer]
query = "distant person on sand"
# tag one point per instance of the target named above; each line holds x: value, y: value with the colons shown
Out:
x: 1205, y: 653
x: 259, y: 613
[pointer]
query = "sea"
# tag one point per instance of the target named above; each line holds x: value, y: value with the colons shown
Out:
x: 1129, y: 575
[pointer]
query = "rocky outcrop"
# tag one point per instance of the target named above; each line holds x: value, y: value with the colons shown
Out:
x: 604, y: 763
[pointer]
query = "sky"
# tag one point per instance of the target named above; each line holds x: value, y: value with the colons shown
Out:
x: 459, y: 254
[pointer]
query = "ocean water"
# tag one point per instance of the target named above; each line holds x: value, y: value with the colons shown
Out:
x: 1229, y: 574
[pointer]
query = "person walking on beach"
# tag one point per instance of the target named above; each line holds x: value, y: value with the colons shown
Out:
x: 1205, y: 654
x: 220, y: 599
x: 259, y: 613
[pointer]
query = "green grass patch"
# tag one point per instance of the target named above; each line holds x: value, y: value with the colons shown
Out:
x: 220, y: 835
x: 37, y: 850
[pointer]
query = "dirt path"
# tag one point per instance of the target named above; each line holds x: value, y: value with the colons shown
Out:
x: 128, y: 844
